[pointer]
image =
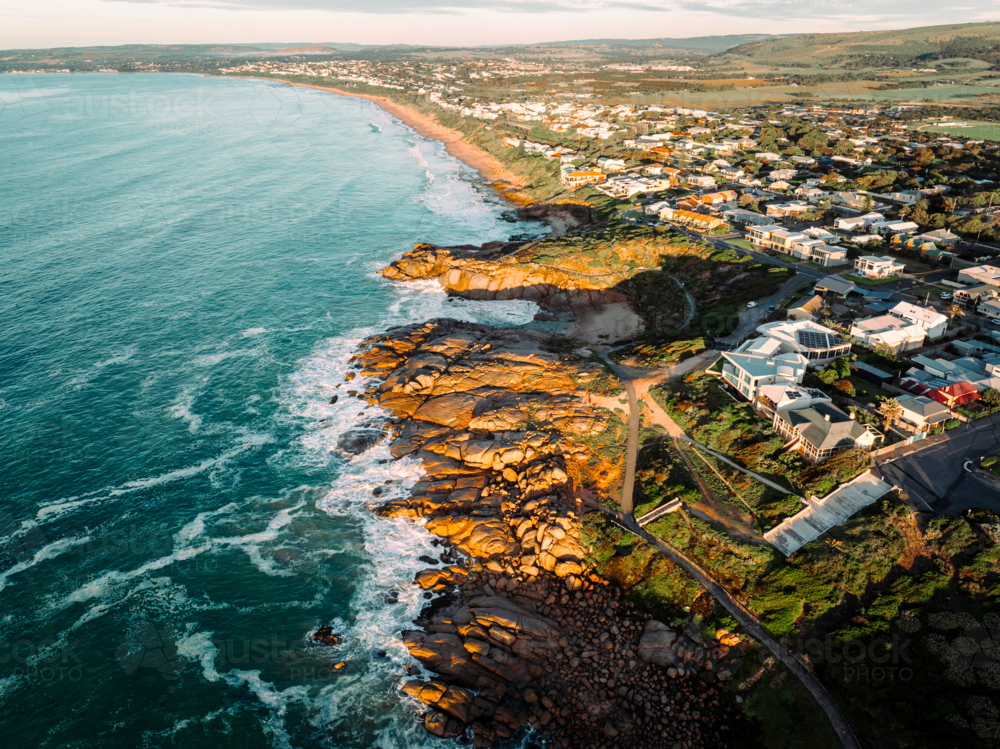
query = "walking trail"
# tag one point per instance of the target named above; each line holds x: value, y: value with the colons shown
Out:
x: 639, y: 388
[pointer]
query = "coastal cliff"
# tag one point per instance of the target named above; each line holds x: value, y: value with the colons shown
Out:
x: 494, y: 271
x: 516, y: 442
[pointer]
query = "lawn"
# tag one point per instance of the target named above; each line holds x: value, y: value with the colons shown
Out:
x: 870, y: 281
x: 742, y: 244
x: 976, y: 130
x: 866, y: 392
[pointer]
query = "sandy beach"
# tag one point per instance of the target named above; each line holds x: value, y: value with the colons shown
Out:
x: 490, y: 167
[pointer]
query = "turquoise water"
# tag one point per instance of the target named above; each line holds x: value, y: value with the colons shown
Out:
x: 186, y: 265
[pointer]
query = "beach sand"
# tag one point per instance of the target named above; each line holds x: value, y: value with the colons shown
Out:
x: 490, y: 167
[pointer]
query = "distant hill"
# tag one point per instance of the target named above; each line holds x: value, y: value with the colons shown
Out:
x: 704, y: 44
x: 896, y: 48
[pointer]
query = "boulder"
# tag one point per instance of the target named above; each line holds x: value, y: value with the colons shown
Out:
x: 655, y: 645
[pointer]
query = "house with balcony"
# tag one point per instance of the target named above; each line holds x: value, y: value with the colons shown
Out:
x: 748, y: 372
x: 875, y: 267
x: 818, y: 431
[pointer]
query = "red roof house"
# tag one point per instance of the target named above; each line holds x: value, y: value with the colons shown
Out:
x: 957, y: 394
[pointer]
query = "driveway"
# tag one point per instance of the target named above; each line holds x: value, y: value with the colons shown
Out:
x: 936, y: 478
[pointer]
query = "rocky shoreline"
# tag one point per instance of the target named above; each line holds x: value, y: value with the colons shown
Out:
x: 522, y: 636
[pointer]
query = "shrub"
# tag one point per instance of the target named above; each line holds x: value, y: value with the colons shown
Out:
x: 951, y: 424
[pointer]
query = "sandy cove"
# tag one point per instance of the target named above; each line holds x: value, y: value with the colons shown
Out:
x: 490, y: 167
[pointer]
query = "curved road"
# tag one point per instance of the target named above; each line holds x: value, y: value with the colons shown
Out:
x: 745, y: 617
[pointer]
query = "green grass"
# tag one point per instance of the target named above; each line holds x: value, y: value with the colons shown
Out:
x: 870, y: 281
x: 866, y: 392
x: 742, y: 244
x: 975, y: 131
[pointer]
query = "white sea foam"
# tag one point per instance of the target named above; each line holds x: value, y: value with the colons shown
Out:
x: 251, y: 332
x: 49, y: 551
x: 182, y: 410
x: 210, y: 360
x: 121, y: 358
x: 9, y: 685
x: 58, y: 508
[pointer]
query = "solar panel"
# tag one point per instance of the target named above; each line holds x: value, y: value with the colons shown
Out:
x: 815, y: 340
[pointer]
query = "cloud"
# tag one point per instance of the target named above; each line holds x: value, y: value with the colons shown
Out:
x: 901, y: 13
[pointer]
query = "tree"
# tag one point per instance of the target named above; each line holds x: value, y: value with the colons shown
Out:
x: 955, y: 310
x: 991, y: 397
x: 890, y: 410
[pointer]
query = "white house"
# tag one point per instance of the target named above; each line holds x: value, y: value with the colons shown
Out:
x: 889, y: 332
x: 980, y: 275
x: 857, y: 223
x: 748, y: 372
x: 929, y: 319
x: 817, y: 343
x: 875, y: 267
x: 922, y: 412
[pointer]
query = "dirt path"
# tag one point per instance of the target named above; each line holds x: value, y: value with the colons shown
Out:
x: 744, y: 616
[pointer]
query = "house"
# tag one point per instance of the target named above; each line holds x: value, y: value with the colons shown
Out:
x: 743, y: 217
x: 956, y: 394
x: 874, y: 267
x: 781, y: 175
x: 807, y: 308
x: 929, y: 319
x: 835, y: 287
x: 747, y: 372
x: 773, y: 398
x: 922, y: 412
x: 857, y: 223
x: 976, y: 294
x: 940, y: 236
x: 793, y: 208
x: 820, y: 430
x: 690, y: 218
x: 818, y: 344
x: 987, y: 275
x: 696, y: 180
x: 576, y: 178
x: 611, y: 165
x: 889, y: 333
x: 886, y: 228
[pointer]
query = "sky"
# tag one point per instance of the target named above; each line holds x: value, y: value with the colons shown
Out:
x: 56, y: 23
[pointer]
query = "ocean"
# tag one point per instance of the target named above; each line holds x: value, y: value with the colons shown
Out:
x: 186, y: 266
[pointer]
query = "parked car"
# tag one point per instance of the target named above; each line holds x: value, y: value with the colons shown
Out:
x: 751, y: 304
x: 945, y: 296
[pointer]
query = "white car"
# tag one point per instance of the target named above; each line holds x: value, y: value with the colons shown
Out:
x: 751, y: 304
x: 945, y: 296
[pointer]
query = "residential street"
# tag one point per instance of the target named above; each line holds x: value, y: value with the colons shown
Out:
x: 936, y: 479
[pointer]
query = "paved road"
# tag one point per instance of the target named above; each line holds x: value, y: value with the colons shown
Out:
x: 754, y: 628
x: 751, y: 317
x: 935, y: 478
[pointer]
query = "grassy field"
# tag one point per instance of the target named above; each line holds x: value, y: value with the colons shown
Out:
x: 975, y: 130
